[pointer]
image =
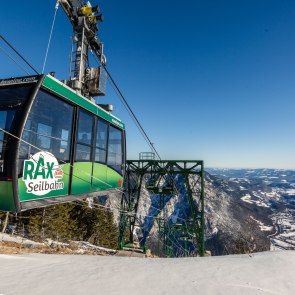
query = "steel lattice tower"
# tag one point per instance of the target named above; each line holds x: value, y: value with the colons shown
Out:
x: 159, y: 178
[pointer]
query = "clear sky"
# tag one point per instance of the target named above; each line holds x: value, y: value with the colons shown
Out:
x: 210, y: 80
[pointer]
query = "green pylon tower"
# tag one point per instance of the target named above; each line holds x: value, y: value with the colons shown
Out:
x: 159, y: 178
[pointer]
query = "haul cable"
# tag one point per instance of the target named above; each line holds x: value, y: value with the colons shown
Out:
x: 19, y: 54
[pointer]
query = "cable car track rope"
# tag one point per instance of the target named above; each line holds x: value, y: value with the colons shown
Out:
x: 130, y: 111
x: 1, y: 37
x: 127, y: 107
x: 18, y: 64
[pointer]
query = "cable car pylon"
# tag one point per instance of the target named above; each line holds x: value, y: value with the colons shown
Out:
x: 184, y: 238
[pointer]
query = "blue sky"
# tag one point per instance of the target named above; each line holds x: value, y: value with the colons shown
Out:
x: 208, y: 80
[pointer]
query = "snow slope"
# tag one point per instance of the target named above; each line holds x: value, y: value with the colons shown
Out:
x: 263, y: 273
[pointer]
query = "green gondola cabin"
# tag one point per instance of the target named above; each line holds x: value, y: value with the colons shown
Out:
x: 55, y: 145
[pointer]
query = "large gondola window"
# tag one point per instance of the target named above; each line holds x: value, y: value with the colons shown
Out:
x: 11, y: 101
x: 101, y: 141
x: 115, y: 154
x: 84, y: 137
x: 48, y: 128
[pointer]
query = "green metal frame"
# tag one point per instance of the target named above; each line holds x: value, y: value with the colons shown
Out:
x: 159, y: 178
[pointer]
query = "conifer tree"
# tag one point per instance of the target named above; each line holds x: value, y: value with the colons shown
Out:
x: 64, y: 222
x: 53, y: 222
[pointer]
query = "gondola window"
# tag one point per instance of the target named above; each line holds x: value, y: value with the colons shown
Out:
x: 84, y: 137
x: 101, y: 141
x: 115, y: 155
x: 48, y: 128
x: 11, y: 100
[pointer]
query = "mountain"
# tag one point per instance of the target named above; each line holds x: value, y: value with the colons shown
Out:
x: 245, y: 210
x: 272, y: 189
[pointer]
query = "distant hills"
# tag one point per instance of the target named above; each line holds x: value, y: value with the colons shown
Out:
x: 246, y: 210
x: 269, y: 196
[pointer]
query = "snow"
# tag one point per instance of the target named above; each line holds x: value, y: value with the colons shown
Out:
x: 10, y: 238
x: 261, y: 273
x: 266, y: 228
x: 289, y: 234
x: 285, y: 222
x: 247, y: 199
x: 257, y: 195
x: 242, y: 188
x: 215, y: 231
x: 81, y: 245
x: 280, y: 243
x: 261, y: 225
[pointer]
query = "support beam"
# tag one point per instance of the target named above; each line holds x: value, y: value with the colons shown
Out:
x: 158, y: 177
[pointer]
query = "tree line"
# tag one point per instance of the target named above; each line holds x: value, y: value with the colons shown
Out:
x: 65, y: 222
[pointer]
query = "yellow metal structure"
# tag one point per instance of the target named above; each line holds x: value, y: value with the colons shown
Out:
x: 88, y: 10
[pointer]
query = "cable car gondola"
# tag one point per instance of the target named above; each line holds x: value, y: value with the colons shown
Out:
x: 55, y: 144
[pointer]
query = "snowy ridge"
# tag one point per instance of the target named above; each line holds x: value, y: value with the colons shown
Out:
x: 269, y: 188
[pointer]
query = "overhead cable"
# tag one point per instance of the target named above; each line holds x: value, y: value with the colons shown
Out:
x: 19, y: 54
x: 18, y: 64
x: 127, y: 106
x: 50, y: 35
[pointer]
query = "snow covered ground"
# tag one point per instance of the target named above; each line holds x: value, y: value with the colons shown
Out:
x: 263, y: 273
x: 18, y: 239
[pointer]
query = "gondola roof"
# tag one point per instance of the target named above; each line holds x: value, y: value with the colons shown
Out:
x: 54, y: 85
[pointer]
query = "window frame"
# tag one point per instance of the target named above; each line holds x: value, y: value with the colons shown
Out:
x: 77, y: 141
x: 33, y: 139
x: 95, y: 147
x: 122, y: 149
